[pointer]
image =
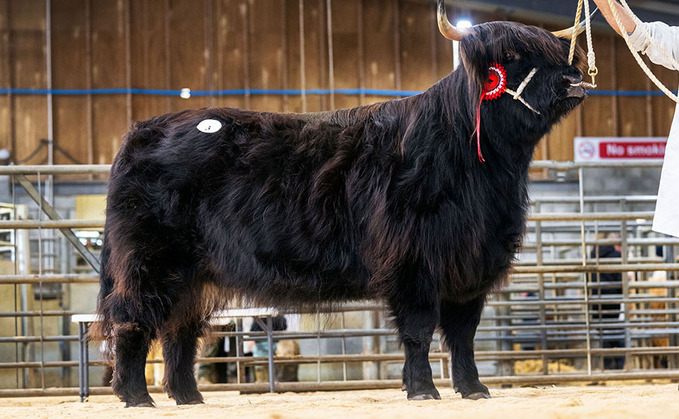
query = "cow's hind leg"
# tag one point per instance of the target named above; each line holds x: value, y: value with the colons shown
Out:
x: 458, y: 325
x: 180, y: 340
x: 132, y: 341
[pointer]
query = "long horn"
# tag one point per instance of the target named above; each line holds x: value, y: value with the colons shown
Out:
x: 448, y: 30
x: 568, y: 33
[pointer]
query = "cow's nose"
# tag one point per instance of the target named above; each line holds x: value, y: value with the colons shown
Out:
x: 574, y: 86
x: 569, y: 80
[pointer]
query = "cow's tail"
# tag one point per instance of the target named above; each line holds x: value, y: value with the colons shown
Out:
x: 102, y: 330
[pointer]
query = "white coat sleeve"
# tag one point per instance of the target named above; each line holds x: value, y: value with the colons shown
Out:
x: 667, y: 38
x: 666, y: 218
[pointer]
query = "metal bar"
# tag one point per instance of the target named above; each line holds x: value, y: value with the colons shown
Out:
x: 60, y: 169
x: 52, y: 279
x: 52, y: 213
x: 105, y: 168
x: 58, y: 224
x: 605, y: 216
x: 366, y: 384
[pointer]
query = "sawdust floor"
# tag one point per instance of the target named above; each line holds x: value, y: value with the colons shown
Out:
x: 611, y: 401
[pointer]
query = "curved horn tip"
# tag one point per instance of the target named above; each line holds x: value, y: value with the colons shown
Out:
x: 568, y: 33
x: 447, y: 29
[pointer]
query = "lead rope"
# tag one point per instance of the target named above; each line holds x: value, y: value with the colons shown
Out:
x: 591, y: 56
x: 636, y: 55
x: 574, y: 36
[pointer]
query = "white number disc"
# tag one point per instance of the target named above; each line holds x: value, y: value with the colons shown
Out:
x: 209, y: 126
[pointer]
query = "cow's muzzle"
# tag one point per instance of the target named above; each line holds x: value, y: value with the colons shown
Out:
x: 575, y: 87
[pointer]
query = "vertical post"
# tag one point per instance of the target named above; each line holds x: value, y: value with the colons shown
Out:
x: 240, y: 369
x: 361, y: 53
x: 581, y: 173
x: 625, y: 289
x: 10, y: 85
x: 396, y: 16
x: 209, y: 50
x: 245, y: 10
x: 86, y: 364
x: 331, y: 59
x: 168, y: 52
x: 81, y: 361
x: 322, y: 32
x: 284, y: 55
x: 128, y: 61
x: 269, y: 338
x: 541, y: 294
x: 614, y: 79
x: 88, y: 81
x: 48, y: 76
x: 302, y: 56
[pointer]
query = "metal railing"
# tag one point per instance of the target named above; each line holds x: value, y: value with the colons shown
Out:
x: 548, y: 317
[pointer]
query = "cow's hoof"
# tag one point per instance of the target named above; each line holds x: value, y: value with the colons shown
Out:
x: 139, y: 401
x: 195, y: 402
x: 432, y: 395
x: 143, y: 403
x: 477, y: 396
x: 422, y: 397
x: 192, y: 399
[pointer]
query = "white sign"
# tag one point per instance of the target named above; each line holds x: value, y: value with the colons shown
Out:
x: 601, y: 149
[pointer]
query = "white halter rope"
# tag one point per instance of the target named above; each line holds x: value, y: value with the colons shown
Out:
x: 636, y: 55
x: 522, y: 87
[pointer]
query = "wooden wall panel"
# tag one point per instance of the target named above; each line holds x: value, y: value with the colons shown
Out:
x: 266, y: 52
x: 70, y: 71
x: 187, y: 52
x: 292, y: 61
x: 313, y: 46
x: 229, y: 50
x: 109, y: 69
x: 633, y: 113
x: 379, y: 47
x: 600, y: 112
x: 149, y: 56
x: 662, y: 107
x: 417, y: 48
x: 6, y: 128
x: 239, y: 44
x: 345, y: 45
x: 27, y: 26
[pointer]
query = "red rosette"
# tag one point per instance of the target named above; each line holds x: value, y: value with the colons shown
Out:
x: 496, y: 84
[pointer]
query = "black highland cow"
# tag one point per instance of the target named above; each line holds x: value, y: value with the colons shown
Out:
x: 388, y: 201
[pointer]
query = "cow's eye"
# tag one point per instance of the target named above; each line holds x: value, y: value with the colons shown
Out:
x: 511, y: 57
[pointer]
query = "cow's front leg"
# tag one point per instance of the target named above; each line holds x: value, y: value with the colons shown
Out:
x: 458, y: 325
x: 416, y: 319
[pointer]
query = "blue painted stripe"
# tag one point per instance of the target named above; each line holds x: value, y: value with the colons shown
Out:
x: 273, y: 92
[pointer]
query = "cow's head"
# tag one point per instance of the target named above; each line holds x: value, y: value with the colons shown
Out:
x: 554, y: 89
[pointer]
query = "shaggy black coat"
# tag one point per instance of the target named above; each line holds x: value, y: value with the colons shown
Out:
x: 385, y: 201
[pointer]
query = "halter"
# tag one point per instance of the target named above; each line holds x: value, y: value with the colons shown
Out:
x: 493, y: 89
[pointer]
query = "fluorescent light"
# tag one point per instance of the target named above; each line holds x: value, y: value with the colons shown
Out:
x: 464, y: 24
